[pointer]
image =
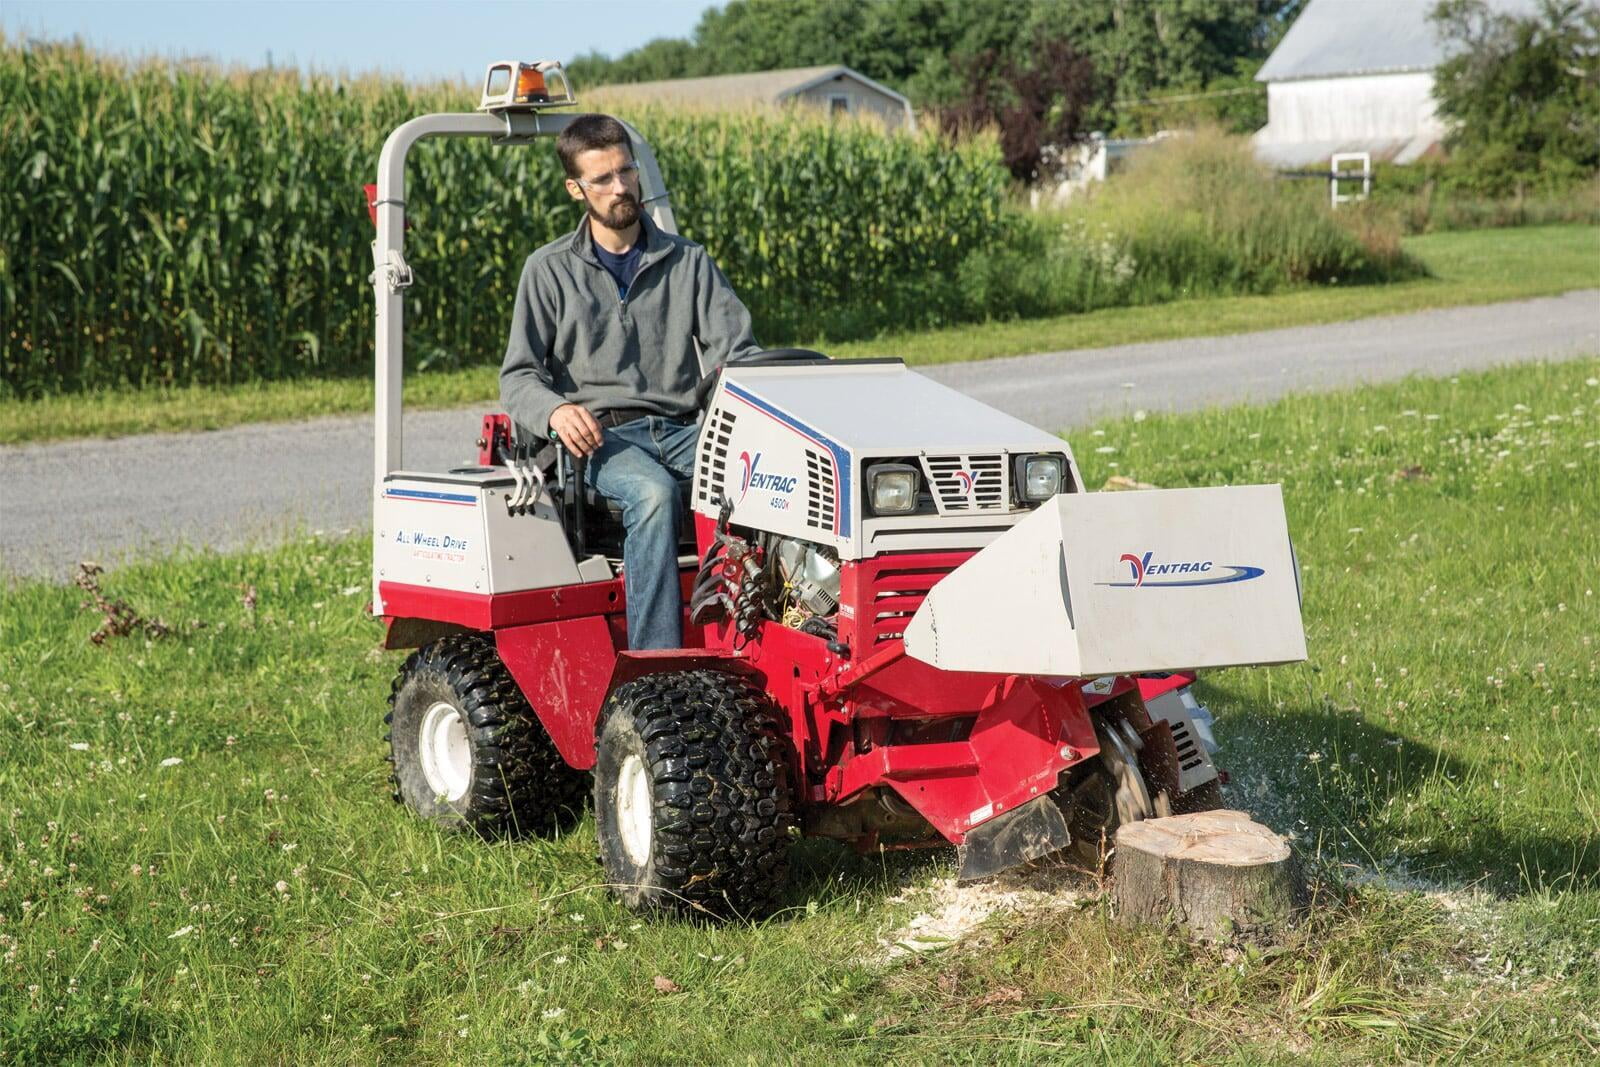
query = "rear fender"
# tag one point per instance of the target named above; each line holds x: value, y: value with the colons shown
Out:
x: 563, y: 669
x: 631, y: 665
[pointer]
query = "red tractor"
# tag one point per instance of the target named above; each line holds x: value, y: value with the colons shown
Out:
x: 908, y: 624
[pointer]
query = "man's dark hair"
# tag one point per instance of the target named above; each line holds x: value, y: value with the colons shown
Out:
x: 587, y: 132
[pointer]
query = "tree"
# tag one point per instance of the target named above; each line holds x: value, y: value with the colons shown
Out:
x: 1139, y: 46
x: 1035, y: 106
x: 945, y: 54
x: 1523, y: 92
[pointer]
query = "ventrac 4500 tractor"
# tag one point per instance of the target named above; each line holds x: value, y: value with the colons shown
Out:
x: 907, y: 622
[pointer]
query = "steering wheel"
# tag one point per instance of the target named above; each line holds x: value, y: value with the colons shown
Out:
x: 774, y: 357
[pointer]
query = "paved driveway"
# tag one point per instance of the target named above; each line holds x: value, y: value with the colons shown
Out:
x: 228, y: 489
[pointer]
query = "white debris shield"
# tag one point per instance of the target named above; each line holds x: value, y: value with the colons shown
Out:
x: 1123, y: 583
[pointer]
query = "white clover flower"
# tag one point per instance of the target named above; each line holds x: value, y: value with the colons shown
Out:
x: 79, y: 746
x: 172, y: 761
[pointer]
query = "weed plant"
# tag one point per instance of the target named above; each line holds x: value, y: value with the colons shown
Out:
x: 201, y: 862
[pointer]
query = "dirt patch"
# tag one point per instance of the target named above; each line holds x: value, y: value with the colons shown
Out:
x: 950, y: 914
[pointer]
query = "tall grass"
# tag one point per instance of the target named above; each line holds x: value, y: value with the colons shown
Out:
x: 165, y: 224
x: 1436, y: 196
x: 1194, y: 216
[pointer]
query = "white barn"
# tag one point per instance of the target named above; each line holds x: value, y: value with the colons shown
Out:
x: 1356, y: 76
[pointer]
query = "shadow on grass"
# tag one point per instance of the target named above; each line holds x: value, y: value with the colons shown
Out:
x: 1381, y: 802
x: 825, y: 871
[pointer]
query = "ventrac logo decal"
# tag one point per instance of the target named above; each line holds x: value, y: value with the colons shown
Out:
x: 1144, y: 572
x: 751, y: 476
x: 965, y: 480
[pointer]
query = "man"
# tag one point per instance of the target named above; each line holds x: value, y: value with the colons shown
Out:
x: 603, y: 356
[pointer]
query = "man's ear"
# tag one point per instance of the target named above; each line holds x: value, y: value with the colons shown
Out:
x: 574, y: 190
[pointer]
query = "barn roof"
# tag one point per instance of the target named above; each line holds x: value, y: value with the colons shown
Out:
x: 1334, y: 38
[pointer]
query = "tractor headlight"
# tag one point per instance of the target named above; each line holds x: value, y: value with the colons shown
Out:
x: 1039, y: 478
x: 893, y: 488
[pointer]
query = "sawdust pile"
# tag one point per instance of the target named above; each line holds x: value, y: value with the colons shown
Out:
x: 949, y: 913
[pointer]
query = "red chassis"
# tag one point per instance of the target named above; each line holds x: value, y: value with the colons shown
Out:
x: 867, y: 721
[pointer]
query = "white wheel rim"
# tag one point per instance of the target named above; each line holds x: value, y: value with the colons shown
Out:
x: 446, y: 755
x: 634, y: 817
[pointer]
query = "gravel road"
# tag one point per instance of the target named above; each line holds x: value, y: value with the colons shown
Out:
x: 229, y: 489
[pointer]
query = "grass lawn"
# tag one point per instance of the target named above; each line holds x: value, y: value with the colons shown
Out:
x: 201, y: 861
x: 1470, y: 267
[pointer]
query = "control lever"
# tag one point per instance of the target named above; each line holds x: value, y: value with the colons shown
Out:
x: 514, y: 461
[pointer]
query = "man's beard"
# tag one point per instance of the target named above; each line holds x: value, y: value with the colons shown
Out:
x: 624, y: 213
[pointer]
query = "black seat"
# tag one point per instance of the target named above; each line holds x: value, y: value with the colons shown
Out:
x: 593, y: 521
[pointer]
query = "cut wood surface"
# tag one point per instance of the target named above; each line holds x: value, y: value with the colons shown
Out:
x: 1217, y: 874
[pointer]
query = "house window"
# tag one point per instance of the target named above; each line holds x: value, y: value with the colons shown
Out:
x: 839, y: 104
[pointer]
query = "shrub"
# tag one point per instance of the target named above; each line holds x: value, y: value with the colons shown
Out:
x: 1201, y: 216
x: 1194, y: 216
x: 1445, y: 195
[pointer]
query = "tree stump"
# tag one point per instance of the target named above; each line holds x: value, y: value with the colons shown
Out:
x: 1217, y: 874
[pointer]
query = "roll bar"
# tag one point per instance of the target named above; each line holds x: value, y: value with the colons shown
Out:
x: 391, y: 276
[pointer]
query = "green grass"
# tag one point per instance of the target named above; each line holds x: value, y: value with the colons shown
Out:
x: 264, y: 901
x: 1472, y: 267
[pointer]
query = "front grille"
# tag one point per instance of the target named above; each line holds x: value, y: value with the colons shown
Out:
x: 898, y: 589
x: 821, y: 496
x: 966, y: 483
x: 714, y: 457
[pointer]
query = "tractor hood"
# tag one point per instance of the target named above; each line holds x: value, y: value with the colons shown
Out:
x: 788, y: 447
x: 874, y: 406
x: 1122, y: 583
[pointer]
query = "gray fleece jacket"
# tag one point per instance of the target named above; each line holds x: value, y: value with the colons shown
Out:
x: 573, y: 340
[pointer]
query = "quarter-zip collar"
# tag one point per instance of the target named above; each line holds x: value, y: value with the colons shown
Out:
x: 655, y: 246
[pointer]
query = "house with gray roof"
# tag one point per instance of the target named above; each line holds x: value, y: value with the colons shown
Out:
x: 835, y: 89
x: 1356, y: 76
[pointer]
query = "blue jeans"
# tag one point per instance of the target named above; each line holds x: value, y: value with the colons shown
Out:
x: 639, y: 465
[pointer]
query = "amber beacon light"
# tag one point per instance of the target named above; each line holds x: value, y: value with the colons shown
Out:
x: 514, y: 86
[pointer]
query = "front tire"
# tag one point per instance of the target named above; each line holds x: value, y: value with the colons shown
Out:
x: 467, y: 750
x: 692, y: 796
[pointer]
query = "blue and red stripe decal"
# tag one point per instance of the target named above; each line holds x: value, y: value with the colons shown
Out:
x: 427, y: 496
x: 841, y: 457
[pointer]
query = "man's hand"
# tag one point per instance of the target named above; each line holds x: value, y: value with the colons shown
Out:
x: 578, y: 429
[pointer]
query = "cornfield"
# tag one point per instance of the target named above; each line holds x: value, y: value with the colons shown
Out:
x: 172, y: 224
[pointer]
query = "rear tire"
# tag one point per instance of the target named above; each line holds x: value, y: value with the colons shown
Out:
x: 468, y: 752
x: 692, y: 796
